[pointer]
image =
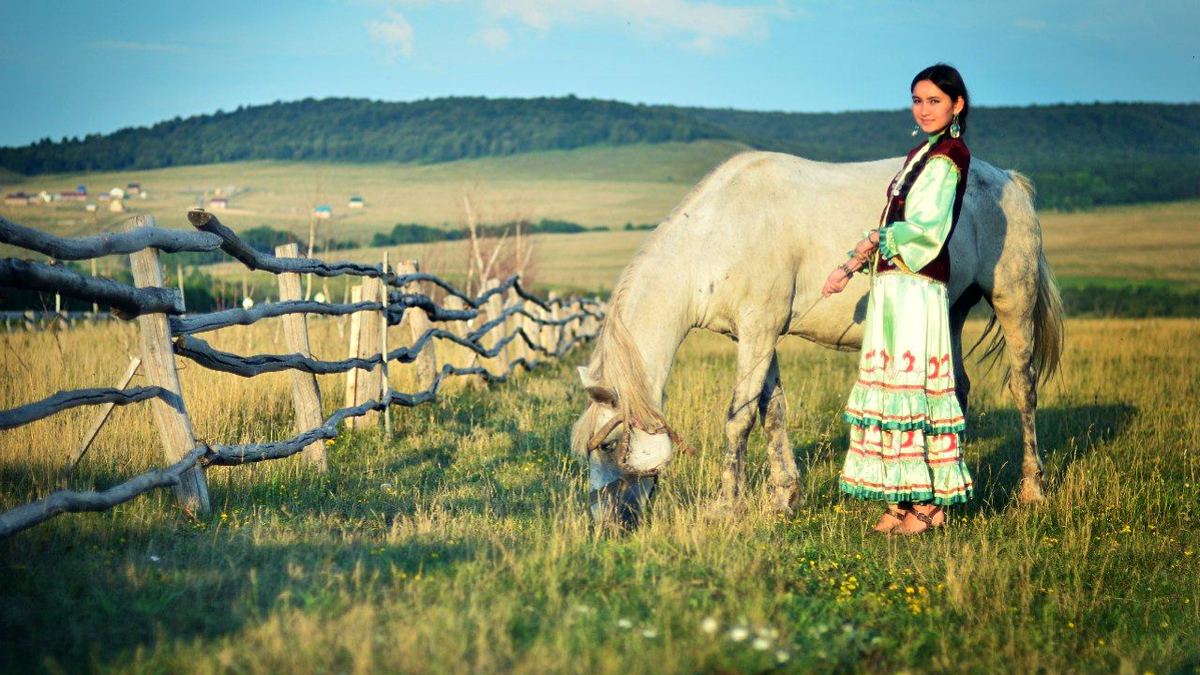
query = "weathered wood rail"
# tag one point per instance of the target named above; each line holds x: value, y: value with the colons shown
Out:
x: 523, y: 329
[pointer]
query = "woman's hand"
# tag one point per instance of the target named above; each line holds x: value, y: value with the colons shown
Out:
x: 865, y: 248
x: 836, y: 283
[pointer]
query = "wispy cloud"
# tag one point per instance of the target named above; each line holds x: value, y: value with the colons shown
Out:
x: 695, y: 25
x: 493, y: 37
x: 140, y: 46
x: 395, y: 33
x: 702, y: 26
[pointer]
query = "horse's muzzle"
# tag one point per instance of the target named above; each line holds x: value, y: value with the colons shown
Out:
x: 622, y: 502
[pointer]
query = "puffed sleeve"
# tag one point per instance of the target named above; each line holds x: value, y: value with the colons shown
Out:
x: 928, y: 214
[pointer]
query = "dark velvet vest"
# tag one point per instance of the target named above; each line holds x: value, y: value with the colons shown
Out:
x: 956, y: 150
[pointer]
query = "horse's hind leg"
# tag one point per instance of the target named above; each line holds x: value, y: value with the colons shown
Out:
x: 755, y: 356
x: 772, y: 406
x: 1015, y: 311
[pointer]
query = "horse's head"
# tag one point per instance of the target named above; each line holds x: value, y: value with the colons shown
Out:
x: 625, y: 452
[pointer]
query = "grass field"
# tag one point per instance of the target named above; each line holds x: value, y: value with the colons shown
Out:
x: 463, y: 545
x: 591, y: 186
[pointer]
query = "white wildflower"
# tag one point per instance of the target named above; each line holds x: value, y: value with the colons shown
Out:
x: 624, y: 623
x: 710, y: 625
x: 762, y: 644
x: 649, y: 633
x: 782, y: 656
x: 739, y: 633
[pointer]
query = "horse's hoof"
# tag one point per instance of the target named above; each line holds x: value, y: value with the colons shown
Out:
x: 1031, y: 491
x: 784, y: 503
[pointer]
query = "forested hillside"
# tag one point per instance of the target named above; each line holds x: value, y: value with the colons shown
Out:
x: 1079, y: 155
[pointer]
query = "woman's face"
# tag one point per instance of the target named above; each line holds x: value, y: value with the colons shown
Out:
x: 932, y: 108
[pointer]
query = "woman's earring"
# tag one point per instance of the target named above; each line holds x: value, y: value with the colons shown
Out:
x: 916, y: 129
x: 955, y: 130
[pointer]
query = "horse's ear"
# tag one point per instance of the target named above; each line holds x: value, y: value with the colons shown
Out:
x: 598, y: 392
x: 585, y: 376
x: 602, y: 395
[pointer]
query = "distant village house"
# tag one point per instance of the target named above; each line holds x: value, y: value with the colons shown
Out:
x: 323, y: 212
x: 218, y: 203
x: 133, y: 189
x: 356, y: 202
x: 16, y: 199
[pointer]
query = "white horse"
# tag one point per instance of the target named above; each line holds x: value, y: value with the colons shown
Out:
x: 745, y: 254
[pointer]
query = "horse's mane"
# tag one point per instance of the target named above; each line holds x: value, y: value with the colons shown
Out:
x: 617, y: 364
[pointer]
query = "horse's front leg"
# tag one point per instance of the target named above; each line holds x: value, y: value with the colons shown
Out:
x: 754, y: 362
x: 785, y: 478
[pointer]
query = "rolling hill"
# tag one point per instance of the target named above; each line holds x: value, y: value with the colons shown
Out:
x: 1080, y: 155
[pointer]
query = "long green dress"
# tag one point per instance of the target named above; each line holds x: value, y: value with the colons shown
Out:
x: 905, y: 419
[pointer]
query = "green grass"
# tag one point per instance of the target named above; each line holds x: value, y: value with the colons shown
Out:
x: 463, y: 544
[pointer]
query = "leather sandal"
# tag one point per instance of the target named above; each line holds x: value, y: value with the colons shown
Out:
x: 897, y: 515
x: 925, y: 518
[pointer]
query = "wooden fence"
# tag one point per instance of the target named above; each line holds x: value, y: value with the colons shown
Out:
x: 523, y: 330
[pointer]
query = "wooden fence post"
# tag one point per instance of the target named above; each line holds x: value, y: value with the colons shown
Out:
x: 306, y: 395
x: 557, y: 332
x: 385, y: 385
x: 418, y: 323
x: 370, y: 382
x: 571, y: 328
x: 548, y: 333
x: 534, y: 330
x: 517, y: 348
x: 158, y: 363
x: 465, y: 358
x: 352, y: 375
x: 95, y: 305
x: 495, y: 307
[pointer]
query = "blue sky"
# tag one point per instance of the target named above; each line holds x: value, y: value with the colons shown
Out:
x: 77, y: 68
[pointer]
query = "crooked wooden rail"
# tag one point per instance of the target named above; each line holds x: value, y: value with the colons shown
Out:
x: 524, y: 330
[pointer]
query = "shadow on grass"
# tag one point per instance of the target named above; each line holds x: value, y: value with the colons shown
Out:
x: 997, y: 473
x: 84, y: 610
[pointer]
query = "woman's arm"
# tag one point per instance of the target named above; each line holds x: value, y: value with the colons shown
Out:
x: 928, y: 214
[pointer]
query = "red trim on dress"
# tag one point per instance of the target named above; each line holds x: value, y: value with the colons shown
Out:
x: 908, y: 487
x: 907, y: 418
x: 885, y: 385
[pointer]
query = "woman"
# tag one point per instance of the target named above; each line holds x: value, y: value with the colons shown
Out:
x: 904, y: 416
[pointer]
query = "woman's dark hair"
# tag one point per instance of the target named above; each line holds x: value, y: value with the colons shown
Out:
x: 948, y: 79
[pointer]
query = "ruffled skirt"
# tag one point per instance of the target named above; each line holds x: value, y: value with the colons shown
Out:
x: 905, y: 419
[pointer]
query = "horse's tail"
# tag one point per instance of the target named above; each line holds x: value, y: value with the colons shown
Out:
x: 1048, y: 326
